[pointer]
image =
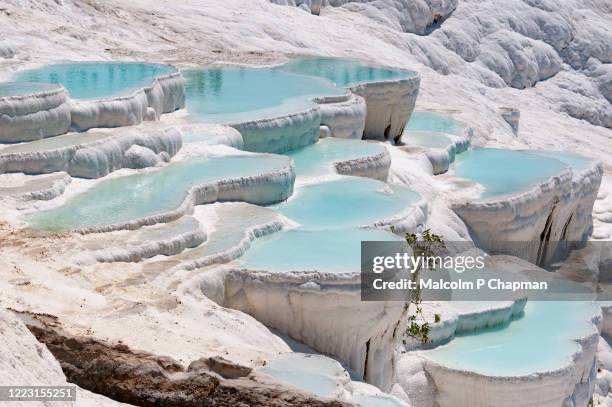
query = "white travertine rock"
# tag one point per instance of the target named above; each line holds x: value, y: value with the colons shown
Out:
x: 558, y: 209
x: 521, y: 62
x: 92, y: 159
x: 407, y: 15
x: 281, y: 134
x: 34, y: 116
x: 376, y: 166
x: 512, y: 116
x: 43, y: 188
x: 141, y: 157
x: 344, y: 116
x: 389, y: 106
x: 166, y: 94
x: 361, y: 334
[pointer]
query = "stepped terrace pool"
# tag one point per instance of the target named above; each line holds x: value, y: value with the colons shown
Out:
x: 232, y: 95
x: 317, y: 159
x: 543, y: 339
x: 329, y: 215
x: 504, y: 172
x: 149, y: 193
x: 97, y: 80
x: 344, y: 72
x: 8, y: 89
x: 432, y: 121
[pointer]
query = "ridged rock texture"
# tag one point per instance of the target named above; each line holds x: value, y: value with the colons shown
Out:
x: 34, y: 116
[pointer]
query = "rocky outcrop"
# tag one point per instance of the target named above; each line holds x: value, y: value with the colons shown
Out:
x: 144, y: 379
x: 389, y: 106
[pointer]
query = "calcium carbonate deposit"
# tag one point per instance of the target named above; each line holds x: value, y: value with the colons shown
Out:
x: 185, y: 188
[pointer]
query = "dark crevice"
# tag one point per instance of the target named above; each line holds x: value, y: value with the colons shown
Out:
x: 545, y: 237
x: 365, y: 363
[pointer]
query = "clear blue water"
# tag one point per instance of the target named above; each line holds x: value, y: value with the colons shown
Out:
x: 350, y: 201
x: 577, y: 162
x: 147, y: 193
x: 503, y: 172
x: 344, y: 72
x: 540, y: 340
x: 24, y: 88
x: 232, y: 95
x: 333, y: 250
x: 376, y: 401
x: 97, y: 80
x: 317, y: 159
x: 432, y: 121
x: 428, y: 139
x: 316, y: 374
x: 328, y: 238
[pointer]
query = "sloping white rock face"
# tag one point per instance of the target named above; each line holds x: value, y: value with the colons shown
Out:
x: 406, y: 15
x: 558, y: 209
x: 25, y: 361
x: 389, y: 106
x: 324, y: 311
x: 34, y: 116
x: 98, y: 158
x: 165, y: 95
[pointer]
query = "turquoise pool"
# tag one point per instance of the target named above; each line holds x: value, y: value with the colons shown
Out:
x: 24, y: 88
x: 317, y: 159
x: 329, y: 214
x: 344, y: 72
x: 503, y: 172
x: 97, y: 80
x: 577, y: 162
x: 350, y: 201
x: 541, y: 340
x: 427, y: 139
x: 148, y: 193
x: 333, y: 250
x: 432, y: 121
x: 233, y: 95
x: 314, y: 373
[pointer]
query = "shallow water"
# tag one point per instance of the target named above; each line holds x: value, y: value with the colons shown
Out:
x: 541, y: 340
x: 96, y: 80
x: 503, y: 172
x: 52, y: 143
x: 350, y: 201
x: 314, y: 373
x: 576, y: 161
x: 428, y: 139
x: 147, y: 193
x: 24, y: 88
x: 433, y: 121
x: 317, y: 159
x: 233, y: 95
x: 328, y: 238
x: 344, y: 72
